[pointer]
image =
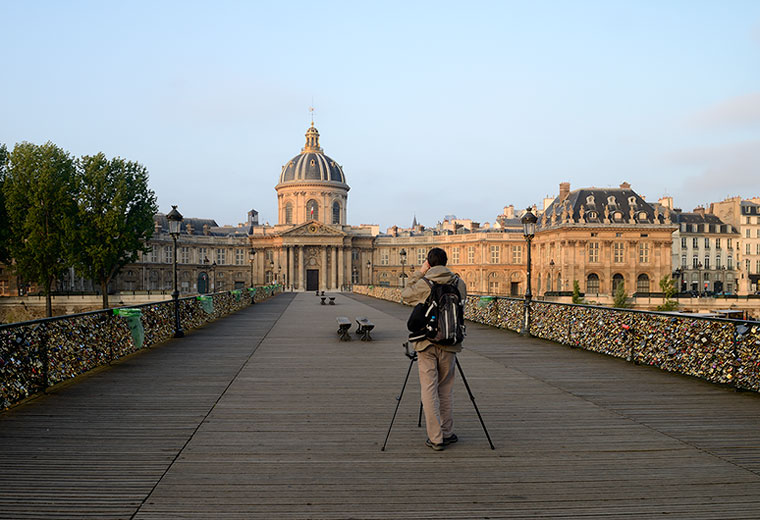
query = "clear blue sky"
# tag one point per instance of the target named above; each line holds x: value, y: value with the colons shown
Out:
x: 432, y: 108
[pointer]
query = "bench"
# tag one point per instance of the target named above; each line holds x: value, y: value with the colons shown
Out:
x: 332, y: 300
x: 343, y: 325
x: 323, y: 300
x: 364, y: 326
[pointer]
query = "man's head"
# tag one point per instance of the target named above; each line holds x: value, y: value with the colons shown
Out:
x: 437, y: 256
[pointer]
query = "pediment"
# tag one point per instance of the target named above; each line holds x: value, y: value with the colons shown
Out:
x: 313, y: 229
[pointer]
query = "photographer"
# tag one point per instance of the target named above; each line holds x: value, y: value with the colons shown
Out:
x: 436, y: 362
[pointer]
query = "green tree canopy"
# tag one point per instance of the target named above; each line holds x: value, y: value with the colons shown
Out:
x: 115, y: 216
x: 40, y: 201
x: 577, y: 298
x: 4, y: 229
x: 668, y: 288
x: 621, y: 297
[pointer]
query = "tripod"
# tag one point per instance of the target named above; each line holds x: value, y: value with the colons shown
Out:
x: 412, y: 355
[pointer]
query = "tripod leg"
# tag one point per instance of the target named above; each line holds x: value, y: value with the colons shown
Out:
x: 419, y: 419
x: 472, y: 398
x: 398, y: 403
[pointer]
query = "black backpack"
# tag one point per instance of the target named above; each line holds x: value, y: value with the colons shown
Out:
x: 441, y: 318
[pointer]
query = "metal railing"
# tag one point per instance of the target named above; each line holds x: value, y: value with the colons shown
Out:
x: 37, y: 354
x: 719, y: 350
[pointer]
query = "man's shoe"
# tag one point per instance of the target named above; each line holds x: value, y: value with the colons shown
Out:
x: 451, y: 439
x: 434, y: 446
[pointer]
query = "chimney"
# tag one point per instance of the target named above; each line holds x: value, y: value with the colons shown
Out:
x: 699, y: 210
x: 509, y: 211
x: 666, y: 202
x: 564, y: 191
x: 625, y: 186
x: 206, y: 229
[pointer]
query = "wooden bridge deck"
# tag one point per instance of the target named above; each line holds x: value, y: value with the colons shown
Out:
x: 265, y: 414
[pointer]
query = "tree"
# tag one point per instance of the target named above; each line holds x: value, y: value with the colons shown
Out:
x: 577, y: 292
x: 115, y: 216
x: 4, y: 230
x: 668, y: 288
x: 621, y: 297
x: 39, y: 198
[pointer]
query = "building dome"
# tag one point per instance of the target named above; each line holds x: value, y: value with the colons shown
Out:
x: 312, y: 164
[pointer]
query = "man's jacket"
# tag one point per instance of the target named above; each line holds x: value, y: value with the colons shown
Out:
x: 417, y: 291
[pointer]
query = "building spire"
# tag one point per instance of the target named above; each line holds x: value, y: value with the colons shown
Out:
x: 414, y: 222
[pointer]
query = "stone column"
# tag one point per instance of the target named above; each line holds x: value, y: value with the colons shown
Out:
x: 290, y: 267
x: 341, y: 268
x: 300, y: 268
x: 325, y: 271
x: 335, y: 268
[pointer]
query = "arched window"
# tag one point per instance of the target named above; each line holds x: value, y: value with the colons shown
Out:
x: 617, y: 279
x: 592, y: 284
x: 642, y: 283
x: 548, y: 282
x: 289, y: 213
x: 312, y: 210
x: 336, y: 212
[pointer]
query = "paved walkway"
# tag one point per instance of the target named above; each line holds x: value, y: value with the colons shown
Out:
x: 265, y: 414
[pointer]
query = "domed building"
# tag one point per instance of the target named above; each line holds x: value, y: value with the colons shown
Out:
x: 312, y: 247
x: 312, y: 187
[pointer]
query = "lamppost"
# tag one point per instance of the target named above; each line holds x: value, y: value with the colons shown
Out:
x: 551, y: 280
x: 529, y: 230
x: 213, y: 277
x: 251, y: 258
x: 279, y: 273
x: 369, y: 272
x: 271, y: 270
x: 699, y: 276
x: 402, y: 255
x: 175, y: 223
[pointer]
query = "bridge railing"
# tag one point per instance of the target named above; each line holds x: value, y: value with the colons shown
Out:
x: 35, y: 355
x: 718, y: 350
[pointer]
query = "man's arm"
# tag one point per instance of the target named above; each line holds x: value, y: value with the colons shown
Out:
x: 417, y: 289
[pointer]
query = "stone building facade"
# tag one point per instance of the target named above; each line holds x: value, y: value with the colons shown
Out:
x: 744, y: 215
x: 602, y: 238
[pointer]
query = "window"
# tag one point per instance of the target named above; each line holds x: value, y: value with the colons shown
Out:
x: 683, y: 242
x: 202, y: 255
x: 168, y: 251
x: 548, y: 282
x: 757, y: 249
x: 289, y: 213
x: 617, y: 281
x: 384, y: 257
x: 694, y: 261
x: 717, y: 243
x: 493, y: 287
x: 593, y: 251
x: 707, y: 243
x: 618, y: 253
x: 746, y: 233
x: 153, y: 255
x: 517, y: 254
x: 644, y: 253
x: 495, y: 254
x: 729, y: 243
x: 239, y: 256
x: 455, y: 255
x: 642, y: 283
x: 592, y: 284
x: 757, y: 267
x: 471, y: 254
x: 421, y: 255
x: 4, y: 288
x: 730, y: 262
x: 312, y: 210
x: 221, y: 256
x: 184, y: 255
x: 336, y: 212
x: 695, y: 242
x: 717, y: 262
x: 683, y: 261
x: 707, y: 262
x: 747, y: 248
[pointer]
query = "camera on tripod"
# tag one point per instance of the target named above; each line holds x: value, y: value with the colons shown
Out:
x: 409, y: 351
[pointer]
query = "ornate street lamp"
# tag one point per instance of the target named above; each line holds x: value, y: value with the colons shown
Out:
x: 402, y: 255
x: 369, y: 272
x: 213, y: 277
x: 251, y: 258
x: 529, y: 231
x: 699, y: 275
x: 279, y: 274
x: 175, y: 224
x: 677, y: 274
x: 551, y: 280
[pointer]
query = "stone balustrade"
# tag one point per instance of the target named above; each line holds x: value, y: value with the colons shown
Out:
x: 718, y: 350
x: 37, y: 354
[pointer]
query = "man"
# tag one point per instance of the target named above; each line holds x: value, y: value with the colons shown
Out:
x: 436, y: 363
